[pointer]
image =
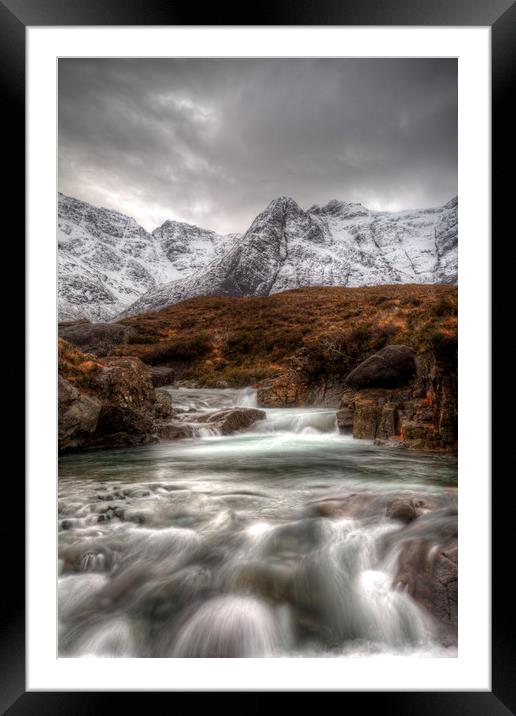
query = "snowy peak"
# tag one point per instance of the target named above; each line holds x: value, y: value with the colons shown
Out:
x: 180, y: 229
x: 282, y: 220
x: 283, y: 204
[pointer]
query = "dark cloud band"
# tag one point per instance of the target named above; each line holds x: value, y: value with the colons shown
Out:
x: 212, y: 141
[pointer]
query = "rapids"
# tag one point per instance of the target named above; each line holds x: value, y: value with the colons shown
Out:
x: 217, y: 546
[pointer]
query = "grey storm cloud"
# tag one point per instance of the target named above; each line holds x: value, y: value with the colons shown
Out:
x: 213, y: 141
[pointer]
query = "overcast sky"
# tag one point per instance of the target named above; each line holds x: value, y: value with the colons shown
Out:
x: 213, y: 141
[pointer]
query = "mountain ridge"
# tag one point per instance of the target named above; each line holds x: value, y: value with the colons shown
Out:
x: 340, y: 243
x: 110, y: 267
x: 106, y: 260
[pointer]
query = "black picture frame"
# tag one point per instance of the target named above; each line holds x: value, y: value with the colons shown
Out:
x: 500, y: 15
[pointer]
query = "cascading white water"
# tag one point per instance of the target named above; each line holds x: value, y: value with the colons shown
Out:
x: 207, y: 399
x: 235, y: 546
x: 297, y: 421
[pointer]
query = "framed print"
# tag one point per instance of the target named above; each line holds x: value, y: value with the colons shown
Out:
x: 258, y: 354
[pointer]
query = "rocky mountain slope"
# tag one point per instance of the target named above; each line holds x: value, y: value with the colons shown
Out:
x: 337, y: 244
x: 106, y: 261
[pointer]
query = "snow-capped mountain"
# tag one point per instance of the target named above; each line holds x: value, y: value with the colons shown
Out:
x: 340, y: 243
x: 106, y: 261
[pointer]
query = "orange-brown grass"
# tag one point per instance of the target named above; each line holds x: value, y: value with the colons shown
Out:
x: 330, y: 329
x: 76, y: 367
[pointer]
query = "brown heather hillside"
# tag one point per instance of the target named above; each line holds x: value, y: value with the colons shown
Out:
x: 314, y: 331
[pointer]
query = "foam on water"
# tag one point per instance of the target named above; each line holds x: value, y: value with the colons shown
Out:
x: 212, y: 546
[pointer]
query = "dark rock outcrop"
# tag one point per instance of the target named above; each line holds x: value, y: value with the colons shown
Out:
x: 285, y: 391
x: 421, y: 414
x: 97, y: 338
x: 77, y: 416
x: 293, y: 389
x: 391, y: 367
x: 107, y: 402
x: 125, y: 388
x: 428, y: 565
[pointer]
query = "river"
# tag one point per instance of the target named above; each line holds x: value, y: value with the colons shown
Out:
x: 226, y: 546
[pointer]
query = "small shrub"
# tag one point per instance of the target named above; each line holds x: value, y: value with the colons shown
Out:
x: 142, y: 339
x: 180, y: 350
x: 444, y: 345
x: 443, y: 307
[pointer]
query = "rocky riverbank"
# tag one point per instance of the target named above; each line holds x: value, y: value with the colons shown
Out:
x: 385, y: 356
x: 393, y: 397
x: 114, y: 402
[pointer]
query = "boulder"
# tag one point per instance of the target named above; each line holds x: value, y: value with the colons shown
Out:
x: 125, y: 382
x: 354, y: 506
x: 431, y: 578
x: 128, y: 398
x: 97, y: 338
x: 110, y: 406
x: 391, y: 367
x: 231, y: 420
x: 78, y: 414
x: 162, y: 375
x: 428, y: 564
x: 404, y: 510
x: 174, y: 431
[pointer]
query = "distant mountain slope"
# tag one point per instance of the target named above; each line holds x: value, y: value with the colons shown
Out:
x: 338, y: 244
x: 106, y: 261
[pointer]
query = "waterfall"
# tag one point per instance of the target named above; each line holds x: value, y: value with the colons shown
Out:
x: 298, y: 421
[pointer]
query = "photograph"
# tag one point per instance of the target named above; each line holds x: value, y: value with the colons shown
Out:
x: 257, y: 303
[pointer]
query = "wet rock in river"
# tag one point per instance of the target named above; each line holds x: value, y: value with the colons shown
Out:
x: 174, y: 431
x: 404, y: 510
x: 294, y: 539
x: 232, y: 420
x: 273, y: 582
x: 428, y: 564
x: 351, y: 506
x: 167, y: 594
